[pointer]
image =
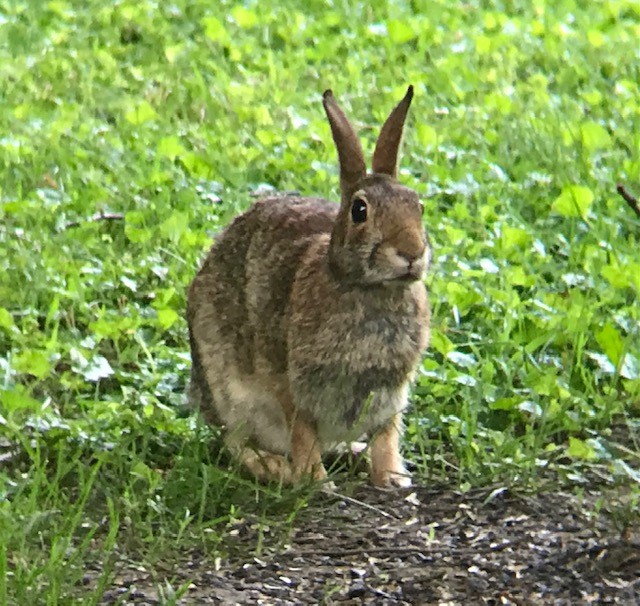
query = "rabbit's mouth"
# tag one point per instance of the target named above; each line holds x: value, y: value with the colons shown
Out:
x: 414, y: 271
x: 401, y: 279
x: 410, y: 276
x: 396, y: 277
x: 388, y: 265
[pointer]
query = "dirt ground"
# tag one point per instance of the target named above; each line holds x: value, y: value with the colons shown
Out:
x: 418, y: 546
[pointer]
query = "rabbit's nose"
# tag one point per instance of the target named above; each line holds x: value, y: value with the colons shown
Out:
x: 412, y: 256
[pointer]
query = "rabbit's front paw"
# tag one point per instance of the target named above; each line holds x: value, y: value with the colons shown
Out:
x: 391, y: 478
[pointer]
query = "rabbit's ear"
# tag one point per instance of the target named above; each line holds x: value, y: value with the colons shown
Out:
x: 350, y: 155
x: 385, y: 156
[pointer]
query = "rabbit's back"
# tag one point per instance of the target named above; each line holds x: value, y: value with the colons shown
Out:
x: 248, y: 275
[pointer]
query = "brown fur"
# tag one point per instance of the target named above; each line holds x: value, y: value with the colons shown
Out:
x: 306, y: 326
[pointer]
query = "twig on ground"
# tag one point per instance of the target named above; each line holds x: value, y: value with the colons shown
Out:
x: 99, y: 216
x: 361, y: 504
x: 371, y: 550
x: 630, y: 199
x: 623, y: 448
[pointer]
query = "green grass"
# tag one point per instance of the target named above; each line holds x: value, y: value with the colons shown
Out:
x: 171, y: 114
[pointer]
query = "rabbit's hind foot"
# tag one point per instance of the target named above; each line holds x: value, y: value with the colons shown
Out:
x: 267, y: 466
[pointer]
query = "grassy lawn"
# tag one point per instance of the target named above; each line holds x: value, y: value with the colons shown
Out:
x: 131, y: 131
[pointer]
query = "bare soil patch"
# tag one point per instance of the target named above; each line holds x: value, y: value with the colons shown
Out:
x: 422, y: 546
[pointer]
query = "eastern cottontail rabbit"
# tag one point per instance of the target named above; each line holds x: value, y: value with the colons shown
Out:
x: 308, y: 319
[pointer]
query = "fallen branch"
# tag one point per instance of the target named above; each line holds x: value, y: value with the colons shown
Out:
x: 631, y: 200
x: 99, y: 216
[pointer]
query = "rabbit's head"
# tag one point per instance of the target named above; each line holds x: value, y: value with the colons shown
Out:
x: 378, y: 237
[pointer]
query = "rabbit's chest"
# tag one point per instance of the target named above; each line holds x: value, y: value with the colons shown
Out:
x: 348, y: 388
x: 357, y: 405
x: 349, y: 358
x: 391, y: 341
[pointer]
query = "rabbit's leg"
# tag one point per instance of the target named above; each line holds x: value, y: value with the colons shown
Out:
x: 387, y: 467
x: 306, y: 451
x: 306, y: 454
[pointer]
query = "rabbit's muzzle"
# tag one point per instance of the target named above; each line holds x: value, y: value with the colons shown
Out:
x: 405, y: 264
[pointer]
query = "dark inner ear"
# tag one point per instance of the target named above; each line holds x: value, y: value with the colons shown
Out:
x: 350, y: 155
x: 385, y: 156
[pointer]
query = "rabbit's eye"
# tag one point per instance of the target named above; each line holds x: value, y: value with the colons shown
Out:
x: 359, y: 210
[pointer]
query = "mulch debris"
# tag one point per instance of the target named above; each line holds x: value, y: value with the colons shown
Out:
x: 421, y: 546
